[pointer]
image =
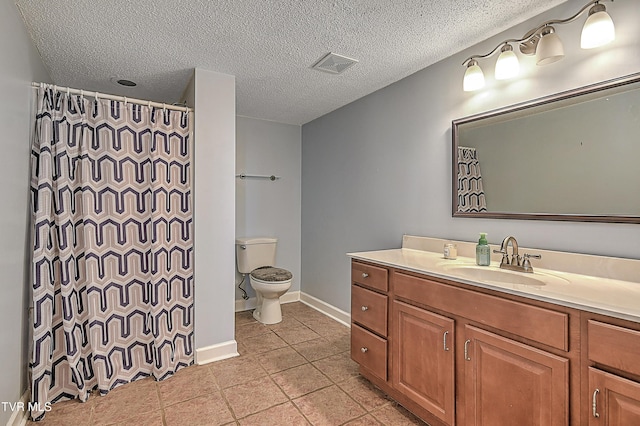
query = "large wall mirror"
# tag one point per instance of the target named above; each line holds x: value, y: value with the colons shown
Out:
x: 572, y: 156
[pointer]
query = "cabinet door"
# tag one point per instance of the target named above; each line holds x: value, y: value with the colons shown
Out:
x: 614, y: 401
x: 423, y: 360
x: 509, y: 383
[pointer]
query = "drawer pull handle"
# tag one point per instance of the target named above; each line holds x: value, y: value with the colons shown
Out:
x: 365, y: 308
x: 444, y: 341
x: 595, y: 403
x: 466, y: 350
x: 365, y: 275
x: 364, y: 350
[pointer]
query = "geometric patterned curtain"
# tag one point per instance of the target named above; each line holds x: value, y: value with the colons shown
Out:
x: 471, y: 197
x: 112, y: 231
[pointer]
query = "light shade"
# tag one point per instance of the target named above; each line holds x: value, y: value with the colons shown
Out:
x: 507, y: 65
x: 598, y: 30
x: 549, y: 49
x: 473, y: 77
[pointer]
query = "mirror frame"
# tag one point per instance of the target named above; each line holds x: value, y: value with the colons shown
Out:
x: 573, y: 93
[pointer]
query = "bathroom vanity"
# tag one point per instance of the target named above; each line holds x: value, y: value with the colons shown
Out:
x: 466, y: 345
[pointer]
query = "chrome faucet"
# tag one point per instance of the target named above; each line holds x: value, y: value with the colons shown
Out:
x: 515, y: 263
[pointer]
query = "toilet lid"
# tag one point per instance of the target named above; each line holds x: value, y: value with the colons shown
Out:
x: 269, y: 273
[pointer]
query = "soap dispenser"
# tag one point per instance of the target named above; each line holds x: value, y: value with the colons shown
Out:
x: 483, y: 251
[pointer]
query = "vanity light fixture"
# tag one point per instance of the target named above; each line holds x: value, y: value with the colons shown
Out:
x: 544, y: 42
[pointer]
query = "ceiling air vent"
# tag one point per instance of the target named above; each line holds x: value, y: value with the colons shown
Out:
x: 333, y: 63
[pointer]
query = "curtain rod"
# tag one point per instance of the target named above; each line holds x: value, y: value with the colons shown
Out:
x: 99, y: 95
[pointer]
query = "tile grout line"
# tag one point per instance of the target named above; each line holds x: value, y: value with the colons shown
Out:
x: 161, y: 400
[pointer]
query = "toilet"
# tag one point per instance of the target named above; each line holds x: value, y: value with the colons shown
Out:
x: 257, y: 257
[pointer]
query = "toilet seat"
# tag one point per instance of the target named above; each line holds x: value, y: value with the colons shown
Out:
x: 270, y: 274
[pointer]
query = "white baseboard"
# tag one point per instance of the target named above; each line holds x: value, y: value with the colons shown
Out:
x: 290, y: 297
x: 216, y: 352
x: 20, y: 417
x: 247, y: 305
x: 327, y: 309
x: 295, y: 296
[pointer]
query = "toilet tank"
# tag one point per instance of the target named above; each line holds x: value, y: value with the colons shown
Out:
x: 252, y: 253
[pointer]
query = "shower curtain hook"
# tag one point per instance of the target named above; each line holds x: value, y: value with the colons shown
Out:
x: 125, y: 101
x: 81, y: 95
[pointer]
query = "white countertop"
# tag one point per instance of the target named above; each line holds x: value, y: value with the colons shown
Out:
x: 602, y: 295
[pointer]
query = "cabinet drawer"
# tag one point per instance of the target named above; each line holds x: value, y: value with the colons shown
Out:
x: 531, y: 322
x: 614, y: 346
x: 369, y: 276
x: 369, y: 309
x: 369, y: 350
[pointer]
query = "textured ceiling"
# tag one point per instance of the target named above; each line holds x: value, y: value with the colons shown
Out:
x: 268, y: 45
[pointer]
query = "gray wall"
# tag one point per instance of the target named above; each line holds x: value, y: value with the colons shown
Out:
x: 380, y: 167
x: 265, y: 208
x: 19, y: 66
x: 214, y: 98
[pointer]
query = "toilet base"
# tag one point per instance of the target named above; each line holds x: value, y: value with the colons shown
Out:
x: 268, y: 299
x: 268, y: 311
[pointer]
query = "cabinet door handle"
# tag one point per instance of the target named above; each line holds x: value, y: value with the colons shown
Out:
x: 364, y: 350
x: 466, y: 350
x: 365, y: 275
x: 595, y: 403
x: 365, y: 308
x: 444, y: 341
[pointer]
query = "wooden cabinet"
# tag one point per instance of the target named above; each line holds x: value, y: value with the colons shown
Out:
x: 423, y: 359
x: 615, y: 401
x: 509, y: 383
x: 455, y: 354
x: 506, y: 376
x: 612, y: 397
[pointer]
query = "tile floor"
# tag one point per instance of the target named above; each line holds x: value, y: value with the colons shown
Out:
x: 297, y: 372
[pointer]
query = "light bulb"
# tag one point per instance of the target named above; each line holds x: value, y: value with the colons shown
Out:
x: 598, y: 29
x: 549, y: 49
x: 507, y: 65
x: 473, y: 77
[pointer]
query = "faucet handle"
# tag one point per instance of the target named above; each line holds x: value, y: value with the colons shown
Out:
x: 515, y: 259
x: 526, y: 263
x: 505, y: 257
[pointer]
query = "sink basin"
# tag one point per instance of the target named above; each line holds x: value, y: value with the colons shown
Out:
x: 480, y: 273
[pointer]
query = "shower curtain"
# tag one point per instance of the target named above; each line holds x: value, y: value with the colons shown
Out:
x: 112, y: 232
x: 470, y: 192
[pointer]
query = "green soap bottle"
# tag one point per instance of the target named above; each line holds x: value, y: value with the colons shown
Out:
x: 483, y: 251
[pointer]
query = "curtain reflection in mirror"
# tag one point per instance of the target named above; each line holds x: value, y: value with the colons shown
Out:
x: 471, y: 197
